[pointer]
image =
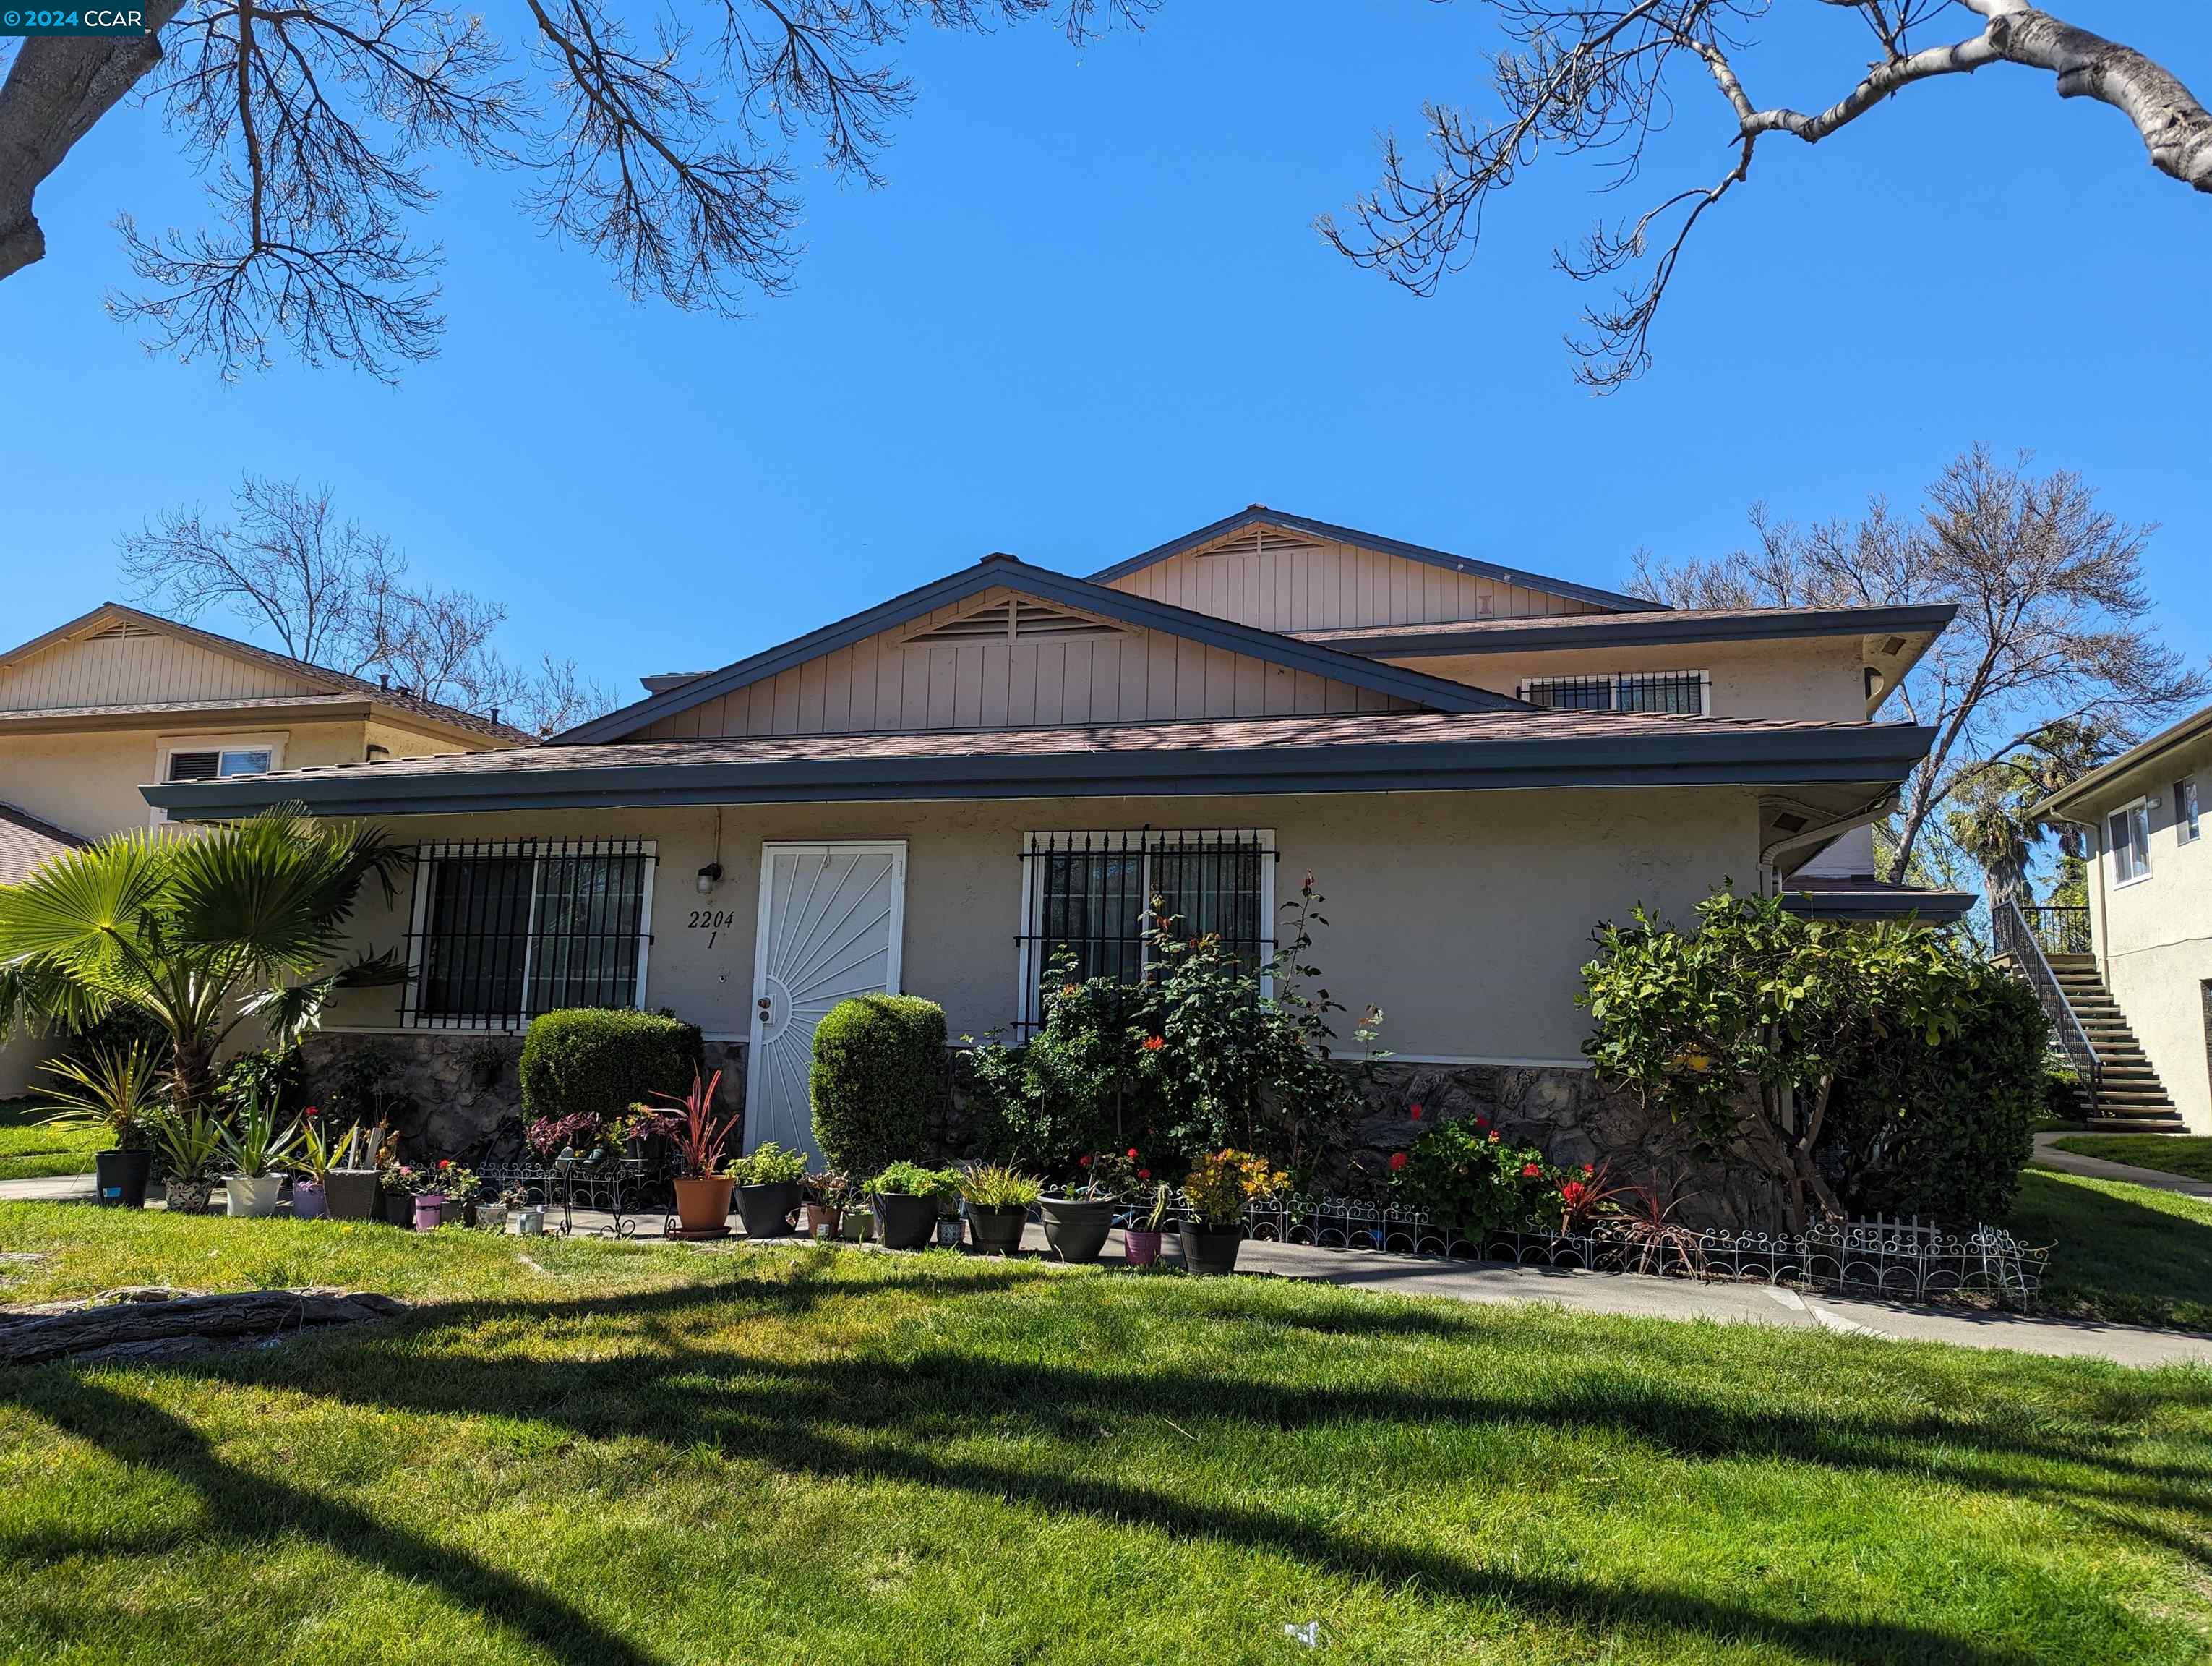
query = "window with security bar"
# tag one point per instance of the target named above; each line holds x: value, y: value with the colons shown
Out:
x: 1679, y: 693
x: 504, y: 929
x: 1091, y: 895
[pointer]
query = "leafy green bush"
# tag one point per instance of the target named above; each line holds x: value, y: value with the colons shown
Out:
x: 597, y: 1060
x: 904, y: 1179
x: 1465, y: 1175
x: 2064, y: 1098
x: 767, y: 1164
x: 275, y: 1076
x: 1076, y: 1086
x: 993, y: 1186
x: 879, y: 1071
x: 1942, y: 1129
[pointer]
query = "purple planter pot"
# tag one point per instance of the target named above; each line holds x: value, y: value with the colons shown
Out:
x: 429, y: 1212
x: 1140, y: 1248
x: 307, y: 1200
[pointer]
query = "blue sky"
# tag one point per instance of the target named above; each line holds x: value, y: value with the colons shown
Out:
x: 1088, y: 311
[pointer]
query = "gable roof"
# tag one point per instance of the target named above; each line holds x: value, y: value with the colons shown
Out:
x: 25, y: 841
x: 2100, y: 782
x: 1259, y: 514
x: 1371, y: 751
x: 330, y: 682
x: 1438, y: 693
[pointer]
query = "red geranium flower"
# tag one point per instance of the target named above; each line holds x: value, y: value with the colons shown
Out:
x: 1589, y: 1168
x: 1133, y: 1153
x: 1493, y: 1136
x: 1144, y: 1174
x: 445, y: 1162
x: 1481, y: 1122
x: 1397, y: 1159
x: 1415, y: 1113
x: 1153, y: 1043
x: 311, y: 1112
x: 1530, y: 1171
x: 1083, y: 1161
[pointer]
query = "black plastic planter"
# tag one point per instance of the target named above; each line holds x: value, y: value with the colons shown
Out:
x: 1211, y: 1254
x: 768, y: 1209
x: 904, y: 1222
x: 997, y: 1230
x: 398, y: 1208
x: 350, y: 1194
x: 1077, y: 1227
x: 121, y: 1176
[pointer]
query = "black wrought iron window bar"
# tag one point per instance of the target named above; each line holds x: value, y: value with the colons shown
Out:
x: 1677, y: 693
x: 503, y: 929
x: 1090, y: 895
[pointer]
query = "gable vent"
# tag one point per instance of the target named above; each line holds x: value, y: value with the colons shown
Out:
x: 1016, y: 620
x: 121, y: 630
x: 1260, y: 541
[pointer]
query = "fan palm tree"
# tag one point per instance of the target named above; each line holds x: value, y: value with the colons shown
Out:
x: 200, y: 935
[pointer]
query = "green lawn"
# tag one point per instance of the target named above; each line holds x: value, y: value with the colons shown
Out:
x: 2169, y: 1153
x: 28, y: 1152
x: 2124, y: 1252
x: 614, y: 1455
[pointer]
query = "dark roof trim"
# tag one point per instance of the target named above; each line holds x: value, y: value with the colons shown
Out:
x: 1936, y: 907
x: 1608, y: 630
x: 1436, y: 693
x: 1259, y: 514
x: 1875, y: 753
x: 2092, y: 785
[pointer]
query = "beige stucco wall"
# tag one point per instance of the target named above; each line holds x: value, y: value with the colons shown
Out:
x: 2153, y: 938
x: 1463, y: 914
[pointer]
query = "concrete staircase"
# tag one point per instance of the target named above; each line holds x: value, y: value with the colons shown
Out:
x: 2131, y: 1098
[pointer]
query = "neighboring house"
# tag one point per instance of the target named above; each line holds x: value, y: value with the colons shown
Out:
x: 95, y: 709
x: 2139, y: 998
x: 1478, y: 763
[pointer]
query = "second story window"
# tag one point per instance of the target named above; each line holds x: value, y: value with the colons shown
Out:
x: 2129, y: 832
x: 1680, y: 693
x: 2185, y: 826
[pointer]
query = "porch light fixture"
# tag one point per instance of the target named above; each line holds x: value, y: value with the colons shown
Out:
x: 707, y: 875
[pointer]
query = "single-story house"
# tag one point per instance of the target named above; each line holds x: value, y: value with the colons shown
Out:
x: 1478, y: 764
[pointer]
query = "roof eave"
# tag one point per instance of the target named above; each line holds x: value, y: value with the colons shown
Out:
x: 1657, y: 629
x: 2083, y: 792
x: 1260, y: 515
x: 1939, y: 908
x: 1879, y: 754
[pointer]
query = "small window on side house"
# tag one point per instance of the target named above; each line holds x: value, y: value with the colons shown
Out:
x: 2128, y: 833
x: 2185, y: 826
x: 1678, y: 693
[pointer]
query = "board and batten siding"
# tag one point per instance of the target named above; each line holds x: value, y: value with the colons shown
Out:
x: 142, y: 668
x: 886, y: 682
x: 1314, y: 585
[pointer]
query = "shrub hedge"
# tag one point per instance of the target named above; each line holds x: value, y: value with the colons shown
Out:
x: 1943, y: 1130
x: 879, y: 1070
x: 596, y: 1060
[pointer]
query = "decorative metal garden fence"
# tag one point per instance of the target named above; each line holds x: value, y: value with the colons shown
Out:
x: 626, y: 1187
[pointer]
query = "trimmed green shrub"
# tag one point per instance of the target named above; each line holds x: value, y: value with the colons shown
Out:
x: 597, y: 1061
x: 2064, y: 1099
x: 1942, y: 1129
x: 879, y: 1072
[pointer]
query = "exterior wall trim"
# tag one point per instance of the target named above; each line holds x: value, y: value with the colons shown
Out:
x: 1649, y: 629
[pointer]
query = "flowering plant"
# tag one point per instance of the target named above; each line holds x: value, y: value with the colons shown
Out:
x: 450, y: 1179
x: 549, y: 1136
x: 402, y: 1179
x: 646, y: 1122
x: 1221, y: 1186
x: 1103, y: 1175
x: 827, y: 1188
x: 1466, y: 1175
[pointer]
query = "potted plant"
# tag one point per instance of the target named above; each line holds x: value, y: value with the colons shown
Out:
x: 189, y: 1145
x: 525, y: 1219
x: 117, y: 1093
x: 1215, y: 1196
x: 768, y: 1183
x: 456, y: 1188
x: 906, y: 1196
x: 350, y: 1182
x: 257, y: 1148
x: 999, y: 1202
x: 319, y: 1155
x: 703, y: 1195
x: 1077, y: 1217
x: 825, y: 1191
x: 397, y: 1182
x: 1140, y: 1245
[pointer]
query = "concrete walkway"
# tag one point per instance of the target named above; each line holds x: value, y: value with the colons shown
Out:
x: 1580, y: 1292
x: 2096, y: 1168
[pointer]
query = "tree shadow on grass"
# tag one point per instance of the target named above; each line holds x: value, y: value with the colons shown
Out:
x: 889, y: 1417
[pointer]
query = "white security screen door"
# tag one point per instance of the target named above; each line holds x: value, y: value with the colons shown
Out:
x: 831, y: 920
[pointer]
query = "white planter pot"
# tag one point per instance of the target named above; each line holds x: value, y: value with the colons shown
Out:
x: 255, y: 1199
x: 492, y: 1217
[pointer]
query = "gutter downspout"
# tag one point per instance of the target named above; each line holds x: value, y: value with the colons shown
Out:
x: 1828, y: 833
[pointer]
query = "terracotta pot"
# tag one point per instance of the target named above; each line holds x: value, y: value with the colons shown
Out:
x: 1076, y: 1228
x: 703, y: 1204
x: 189, y: 1197
x: 768, y: 1209
x: 350, y: 1194
x: 823, y: 1221
x: 256, y: 1196
x: 1211, y: 1254
x: 1140, y: 1248
x: 997, y: 1230
x: 308, y: 1201
x: 904, y: 1222
x: 121, y: 1177
x: 429, y: 1212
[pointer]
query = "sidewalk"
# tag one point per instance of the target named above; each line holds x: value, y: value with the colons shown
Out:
x: 1577, y: 1292
x: 2096, y: 1168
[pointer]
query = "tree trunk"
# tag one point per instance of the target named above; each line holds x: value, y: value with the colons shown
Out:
x: 192, y: 1078
x: 1801, y: 1155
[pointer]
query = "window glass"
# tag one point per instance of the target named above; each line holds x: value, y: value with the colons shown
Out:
x: 2129, y: 832
x: 506, y: 930
x: 1677, y: 692
x: 245, y: 761
x: 2185, y: 808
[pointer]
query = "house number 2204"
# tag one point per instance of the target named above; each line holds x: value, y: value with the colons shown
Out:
x: 712, y: 920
